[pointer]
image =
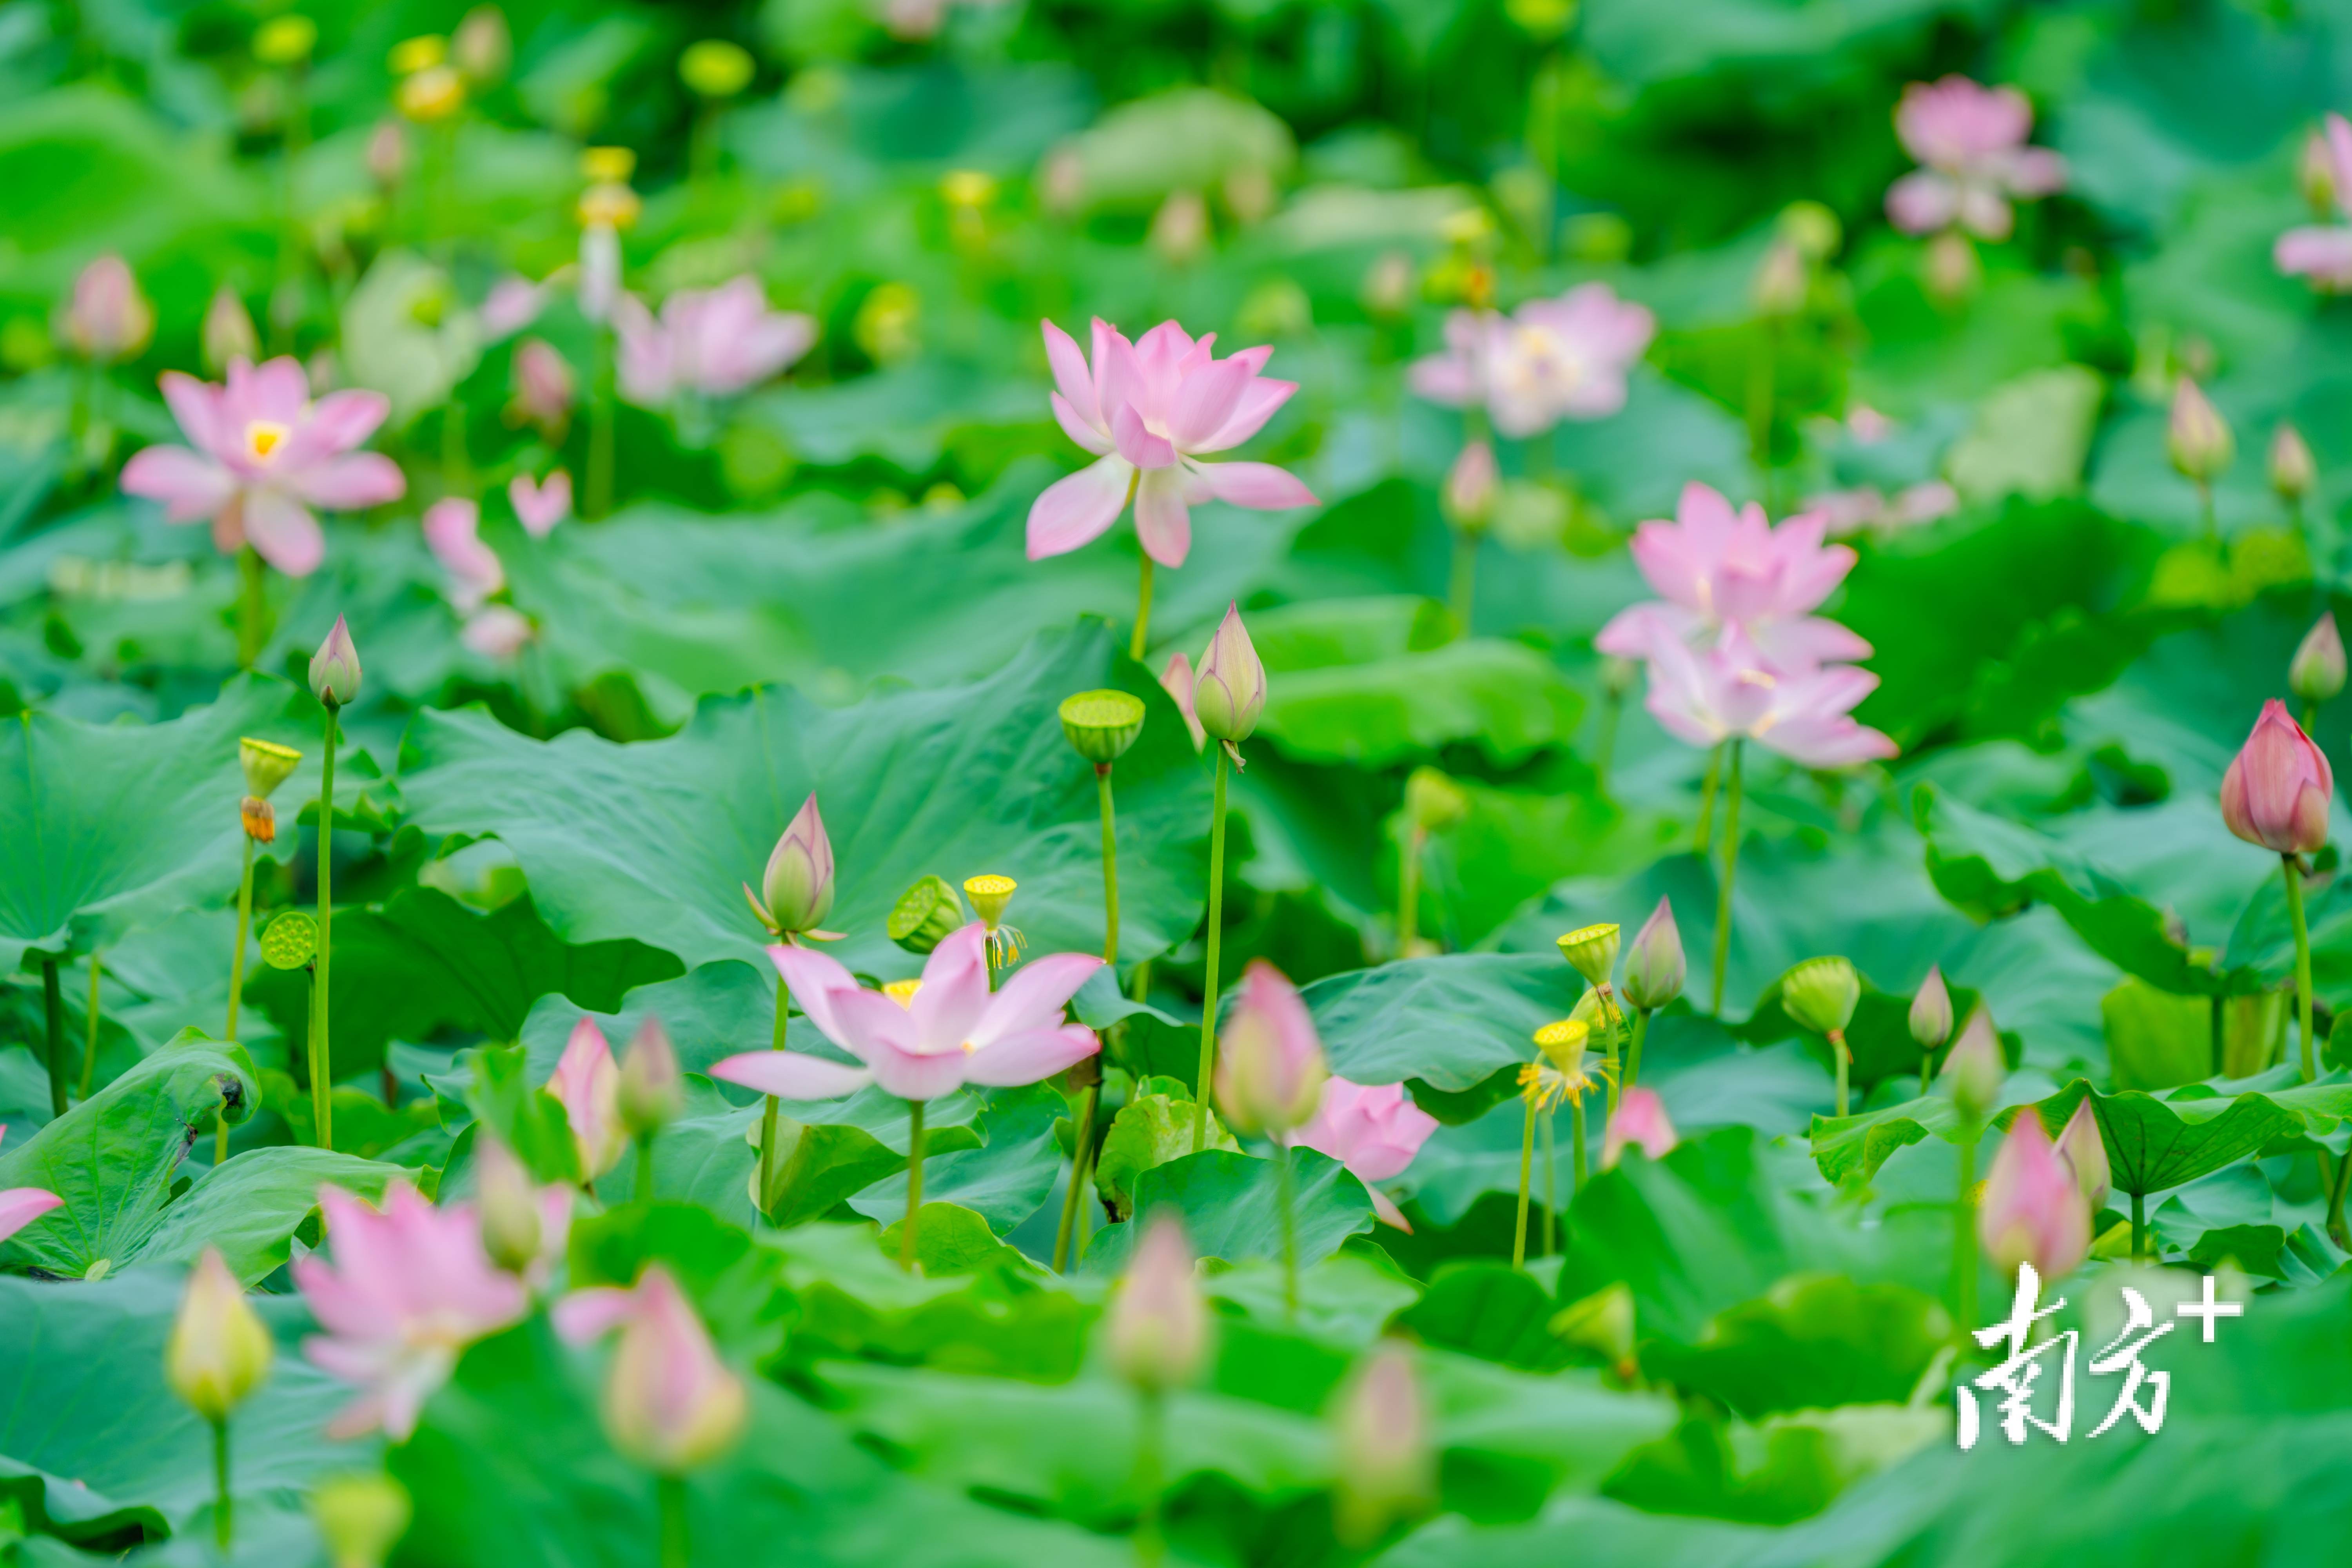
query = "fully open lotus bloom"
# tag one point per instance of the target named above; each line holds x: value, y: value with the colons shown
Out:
x: 1640, y: 1122
x: 2321, y: 253
x: 1374, y: 1130
x: 453, y: 532
x: 1157, y: 1326
x: 409, y: 1289
x: 669, y: 1402
x: 1970, y: 143
x: 260, y: 455
x: 716, y: 341
x: 2034, y: 1210
x: 2277, y: 788
x: 1149, y: 410
x: 588, y: 1083
x: 20, y: 1206
x: 1713, y: 567
x: 108, y: 318
x: 1731, y: 691
x: 540, y: 505
x: 1549, y: 360
x: 798, y: 882
x: 951, y: 1032
x: 1270, y: 1068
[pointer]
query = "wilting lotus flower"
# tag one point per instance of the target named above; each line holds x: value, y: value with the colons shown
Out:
x: 1229, y: 693
x: 2276, y: 791
x: 109, y: 318
x: 953, y: 1032
x: 1731, y: 691
x: 409, y: 1289
x: 1149, y: 410
x: 716, y: 341
x: 1549, y: 360
x: 1714, y: 567
x: 588, y: 1083
x: 263, y: 454
x: 2323, y: 253
x: 453, y: 532
x: 1178, y: 681
x: 1640, y: 1122
x: 669, y: 1404
x: 1158, y: 1325
x: 1654, y: 965
x: 540, y: 507
x: 799, y: 880
x: 544, y: 388
x: 1970, y: 140
x: 1270, y: 1070
x: 2033, y: 1210
x: 1374, y: 1130
x: 20, y: 1206
x: 2086, y: 1153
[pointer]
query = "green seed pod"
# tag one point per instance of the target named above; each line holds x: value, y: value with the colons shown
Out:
x: 290, y: 940
x: 926, y: 915
x: 1819, y: 994
x: 715, y: 68
x: 267, y: 765
x: 1101, y: 725
x: 1593, y: 950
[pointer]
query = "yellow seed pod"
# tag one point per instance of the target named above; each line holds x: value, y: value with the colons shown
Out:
x: 431, y: 95
x: 990, y: 894
x: 608, y: 165
x: 1562, y: 1043
x: 283, y: 40
x: 413, y: 54
x: 1593, y: 950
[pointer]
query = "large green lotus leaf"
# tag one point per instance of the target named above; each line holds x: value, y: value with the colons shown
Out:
x: 857, y: 1301
x: 250, y: 1207
x: 655, y: 841
x: 1490, y: 1311
x: 1231, y: 1206
x: 1502, y: 697
x: 95, y: 1446
x: 113, y: 1157
x: 2154, y: 1144
x: 1811, y: 1342
x: 114, y: 825
x: 1004, y: 1181
x: 1451, y: 1022
x: 1851, y: 1147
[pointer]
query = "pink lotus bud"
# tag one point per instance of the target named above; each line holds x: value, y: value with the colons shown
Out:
x: 1386, y: 1467
x: 1931, y: 1011
x: 2316, y: 672
x: 1654, y: 965
x: 108, y: 320
x: 513, y: 304
x: 508, y: 1203
x: 1270, y: 1069
x: 588, y: 1085
x: 1230, y: 691
x: 2086, y: 1153
x: 1471, y: 486
x: 335, y: 668
x: 1780, y: 286
x: 228, y: 332
x: 2276, y: 791
x: 540, y: 507
x: 482, y: 46
x: 1180, y: 229
x: 1639, y: 1121
x: 387, y: 153
x: 218, y: 1352
x: 1975, y: 1070
x: 2294, y: 471
x: 652, y: 1091
x: 1178, y: 681
x: 2032, y: 1211
x: 2197, y: 437
x: 1158, y: 1326
x: 496, y: 631
x: 544, y: 386
x: 1953, y: 269
x: 2315, y: 173
x: 670, y: 1404
x: 799, y: 880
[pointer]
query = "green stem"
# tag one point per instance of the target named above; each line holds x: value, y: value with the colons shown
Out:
x: 767, y: 1114
x: 243, y: 940
x: 1408, y: 892
x: 2294, y: 875
x: 1284, y: 1197
x: 2205, y: 508
x: 906, y: 1250
x: 1964, y: 1239
x: 1576, y: 1144
x: 1730, y: 871
x: 1201, y: 1087
x: 2139, y: 1227
x: 1610, y: 1013
x: 1150, y: 1545
x: 456, y: 465
x: 252, y: 605
x: 1838, y: 1050
x: 1759, y: 400
x: 1465, y: 580
x: 1633, y: 1053
x: 223, y: 1516
x: 1082, y: 1132
x: 669, y: 1493
x: 2218, y: 1022
x: 1703, y: 841
x: 2335, y: 1228
x: 646, y: 1170
x: 599, y: 489
x: 1141, y: 639
x: 322, y: 1039
x: 54, y: 1001
x: 90, y: 1047
x: 1551, y: 1185
x: 1110, y: 866
x: 318, y: 1112
x: 1526, y: 1170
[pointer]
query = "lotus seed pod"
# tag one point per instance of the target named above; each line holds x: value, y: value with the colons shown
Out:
x: 1562, y: 1043
x: 266, y: 764
x: 218, y: 1351
x: 1592, y: 950
x: 716, y: 68
x: 926, y: 915
x: 431, y: 95
x: 1931, y: 1011
x: 1434, y: 802
x: 284, y: 40
x: 1819, y: 994
x: 1101, y: 725
x: 990, y: 896
x: 290, y: 940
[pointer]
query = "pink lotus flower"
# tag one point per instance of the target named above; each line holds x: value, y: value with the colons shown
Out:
x: 2277, y: 789
x: 409, y: 1289
x: 1730, y: 691
x: 1148, y: 410
x: 20, y: 1206
x: 514, y: 303
x: 2085, y: 1150
x: 798, y: 881
x: 544, y: 388
x: 2323, y: 253
x: 716, y: 341
x: 497, y: 631
x: 263, y: 455
x: 1868, y: 509
x: 1640, y: 1122
x: 453, y: 532
x: 540, y: 506
x: 1373, y: 1130
x: 1270, y: 1070
x: 669, y: 1402
x: 953, y: 1031
x: 109, y: 318
x: 1156, y: 1330
x: 2033, y: 1211
x: 588, y: 1083
x: 1550, y: 359
x: 1713, y: 567
x: 1177, y: 681
x: 1970, y: 140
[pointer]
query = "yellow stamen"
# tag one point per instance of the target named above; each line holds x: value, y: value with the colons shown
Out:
x: 262, y: 436
x: 902, y: 992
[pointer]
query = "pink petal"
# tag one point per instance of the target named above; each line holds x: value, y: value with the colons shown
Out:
x: 20, y: 1206
x: 947, y: 1010
x: 1076, y: 428
x: 792, y: 1075
x: 1260, y: 486
x: 276, y: 390
x: 1922, y: 202
x: 1259, y: 400
x: 1119, y: 377
x: 1034, y: 996
x: 918, y: 1075
x: 337, y: 423
x: 1075, y: 385
x: 196, y: 406
x: 190, y: 485
x: 1136, y: 444
x: 1162, y: 522
x: 542, y: 506
x: 813, y: 980
x: 583, y: 1317
x: 350, y: 484
x: 284, y: 532
x: 1384, y: 1210
x: 1205, y: 400
x: 1029, y: 1056
x: 1073, y: 510
x: 1635, y: 631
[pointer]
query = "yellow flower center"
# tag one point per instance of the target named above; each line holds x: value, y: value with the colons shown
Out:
x: 902, y: 992
x: 263, y: 437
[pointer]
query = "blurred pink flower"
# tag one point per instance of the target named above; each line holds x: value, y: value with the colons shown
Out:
x: 108, y: 318
x: 951, y: 1032
x: 263, y: 455
x: 2034, y: 1210
x: 1147, y: 410
x: 1713, y: 567
x: 514, y: 303
x: 669, y: 1402
x: 1730, y: 691
x: 2277, y: 789
x: 1270, y: 1071
x: 496, y: 631
x: 1549, y: 360
x: 409, y: 1289
x: 1970, y: 143
x: 1640, y: 1122
x: 1868, y: 509
x: 544, y: 386
x: 540, y: 506
x: 20, y: 1206
x: 1374, y: 1130
x: 1178, y: 681
x: 712, y: 340
x: 2323, y: 253
x: 453, y: 532
x: 588, y: 1083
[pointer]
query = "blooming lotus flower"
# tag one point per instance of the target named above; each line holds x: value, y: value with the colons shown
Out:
x: 716, y: 341
x: 1177, y: 681
x: 1713, y: 567
x: 1270, y: 1071
x: 409, y: 1289
x: 262, y: 455
x: 2277, y: 789
x: 544, y: 388
x: 20, y: 1206
x: 1970, y: 142
x: 108, y: 318
x: 588, y: 1083
x: 1640, y: 1122
x: 1149, y: 410
x: 1158, y: 1325
x: 1731, y: 691
x: 2323, y: 253
x: 2086, y: 1153
x: 669, y: 1402
x: 2033, y: 1210
x: 1374, y: 1130
x: 1550, y: 359
x: 950, y: 1032
x: 453, y: 532
x: 540, y: 506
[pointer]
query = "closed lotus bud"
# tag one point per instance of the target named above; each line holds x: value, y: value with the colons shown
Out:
x: 1101, y: 725
x: 2276, y: 790
x: 1177, y: 679
x: 1654, y: 965
x: 482, y: 45
x: 360, y: 1517
x: 1819, y: 994
x: 1230, y: 691
x: 2316, y: 673
x: 509, y: 1202
x: 228, y: 332
x: 218, y: 1351
x: 1157, y: 1329
x: 1591, y: 952
x: 798, y: 883
x: 2197, y: 437
x: 715, y: 68
x: 1931, y: 1011
x: 2086, y: 1153
x: 1779, y: 289
x: 1434, y: 802
x: 926, y: 915
x: 1180, y: 229
x: 335, y: 668
x: 990, y: 895
x: 653, y: 1092
x: 2033, y: 1210
x: 1384, y: 1465
x: 1602, y: 1324
x: 1270, y: 1067
x: 2294, y: 471
x: 108, y: 320
x: 266, y: 764
x: 1471, y: 486
x: 258, y: 819
x: 1976, y: 1069
x: 387, y: 153
x: 587, y: 1083
x: 670, y: 1404
x: 544, y: 385
x: 1640, y: 1122
x: 1953, y: 269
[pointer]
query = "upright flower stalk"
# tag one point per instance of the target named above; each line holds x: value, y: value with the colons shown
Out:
x: 1931, y: 1023
x: 798, y: 883
x: 1559, y: 1072
x: 1158, y: 1330
x: 218, y: 1354
x: 1972, y: 1075
x: 1591, y: 952
x: 2276, y: 793
x: 1431, y: 802
x: 1228, y: 696
x: 1730, y: 875
x: 335, y: 682
x: 267, y: 765
x: 1270, y: 1080
x: 1820, y: 994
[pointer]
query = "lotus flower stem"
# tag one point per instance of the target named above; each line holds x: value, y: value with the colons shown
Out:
x: 1844, y: 1058
x: 1611, y: 1014
x: 644, y: 1183
x: 597, y: 497
x: 1082, y: 1129
x: 1409, y: 890
x: 1110, y: 868
x: 1576, y: 1143
x: 1703, y: 841
x: 1209, y: 992
x: 223, y: 1516
x: 1551, y: 1185
x: 1285, y: 1197
x: 1759, y: 400
x: 321, y: 1052
x: 906, y: 1250
x: 2205, y: 510
x: 1526, y: 1170
x: 243, y: 940
x: 1141, y: 639
x: 1150, y: 1549
x: 1730, y: 870
x: 2294, y: 875
x: 1464, y: 583
x: 669, y: 1493
x: 89, y: 1046
x: 768, y: 1113
x: 2336, y: 1228
x: 1634, y: 1052
x: 252, y: 607
x: 52, y: 1000
x: 1604, y: 738
x: 1963, y: 1238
